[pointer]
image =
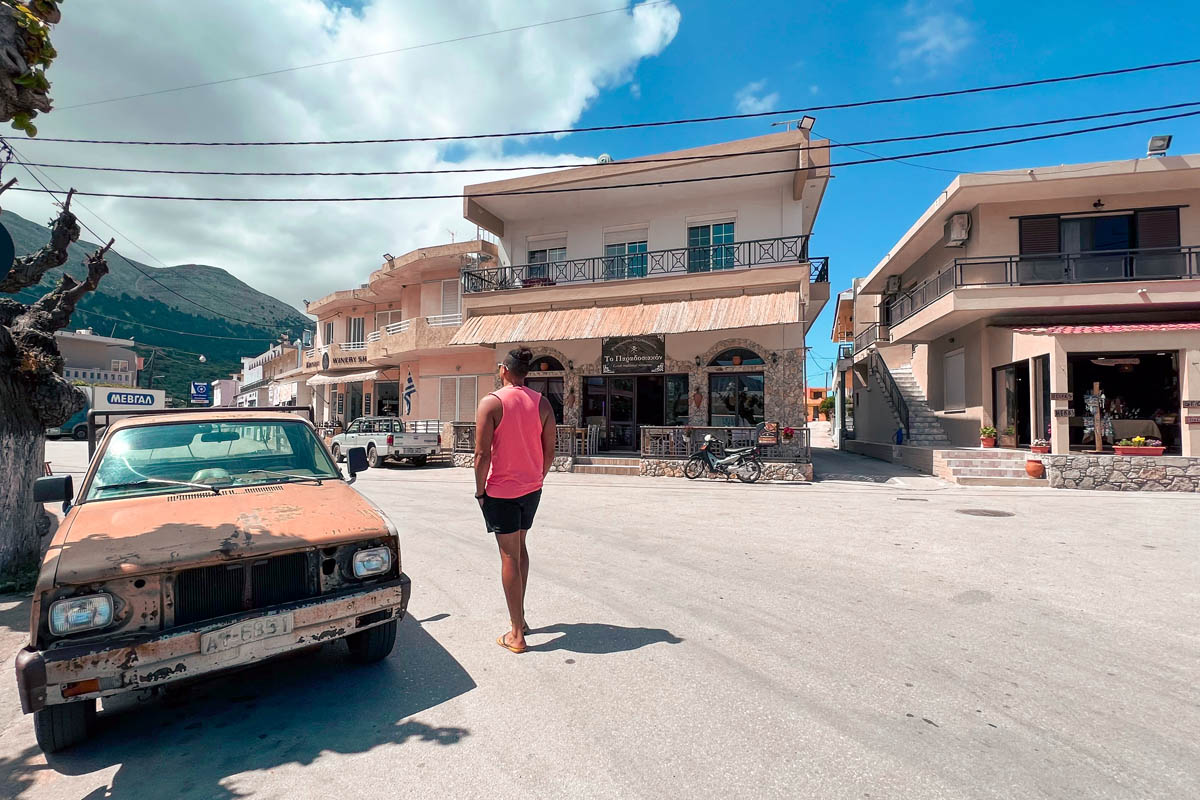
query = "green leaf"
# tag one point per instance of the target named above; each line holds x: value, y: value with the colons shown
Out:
x: 31, y: 130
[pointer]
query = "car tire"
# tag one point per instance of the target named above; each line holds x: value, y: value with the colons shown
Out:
x: 62, y: 726
x: 337, y: 453
x: 421, y: 461
x: 372, y: 457
x: 80, y: 433
x: 373, y: 644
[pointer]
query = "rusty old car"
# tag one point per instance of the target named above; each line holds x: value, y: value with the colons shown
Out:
x: 202, y: 541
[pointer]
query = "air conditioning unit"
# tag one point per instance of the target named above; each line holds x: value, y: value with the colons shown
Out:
x: 893, y: 285
x: 958, y: 229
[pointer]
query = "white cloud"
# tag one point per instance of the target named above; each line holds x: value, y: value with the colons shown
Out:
x: 935, y: 36
x: 751, y: 100
x: 543, y: 77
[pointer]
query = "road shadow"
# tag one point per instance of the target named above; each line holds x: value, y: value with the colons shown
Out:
x: 837, y: 465
x: 189, y: 743
x: 598, y: 638
x: 15, y: 614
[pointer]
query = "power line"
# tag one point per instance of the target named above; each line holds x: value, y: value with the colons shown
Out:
x: 668, y: 182
x: 654, y: 124
x: 132, y: 264
x: 624, y: 162
x: 355, y: 58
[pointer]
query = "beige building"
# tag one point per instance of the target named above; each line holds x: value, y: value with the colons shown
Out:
x: 652, y: 296
x: 92, y: 359
x: 260, y: 381
x: 1032, y: 301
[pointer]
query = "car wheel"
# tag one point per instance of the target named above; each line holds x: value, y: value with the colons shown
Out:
x: 694, y: 467
x: 337, y: 454
x: 421, y: 461
x: 372, y: 457
x: 373, y: 644
x: 80, y: 433
x: 60, y: 727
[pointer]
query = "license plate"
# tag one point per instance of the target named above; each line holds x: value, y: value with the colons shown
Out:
x: 412, y: 451
x: 252, y: 630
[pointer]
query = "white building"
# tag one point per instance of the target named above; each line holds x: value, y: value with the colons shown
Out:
x: 93, y: 359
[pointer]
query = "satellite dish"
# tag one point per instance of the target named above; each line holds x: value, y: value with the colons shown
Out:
x: 604, y: 158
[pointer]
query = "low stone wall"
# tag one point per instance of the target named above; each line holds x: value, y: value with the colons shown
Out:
x: 561, y: 463
x: 1123, y: 473
x: 772, y: 470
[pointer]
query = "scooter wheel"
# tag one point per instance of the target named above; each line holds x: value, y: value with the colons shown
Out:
x: 694, y: 467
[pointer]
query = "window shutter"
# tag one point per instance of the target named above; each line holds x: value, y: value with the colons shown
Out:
x: 450, y: 303
x: 954, y: 381
x: 447, y: 399
x: 466, y: 399
x: 1039, y: 235
x: 622, y: 237
x: 1158, y: 228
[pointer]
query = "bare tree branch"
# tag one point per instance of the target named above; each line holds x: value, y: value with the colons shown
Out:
x: 53, y: 311
x: 28, y: 270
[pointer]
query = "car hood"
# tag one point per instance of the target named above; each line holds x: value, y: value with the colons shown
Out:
x: 118, y: 538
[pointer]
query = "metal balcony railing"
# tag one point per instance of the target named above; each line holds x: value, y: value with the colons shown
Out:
x: 877, y: 366
x: 676, y: 261
x: 875, y: 332
x: 845, y: 351
x: 1097, y: 266
x: 444, y: 320
x: 374, y: 336
x: 397, y: 327
x: 347, y: 347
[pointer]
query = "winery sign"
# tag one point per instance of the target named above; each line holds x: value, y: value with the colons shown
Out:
x: 626, y: 355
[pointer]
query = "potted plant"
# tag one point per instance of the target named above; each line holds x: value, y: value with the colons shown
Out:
x: 1034, y: 468
x: 1139, y: 446
x: 987, y: 436
x: 1009, y: 437
x: 788, y: 433
x: 1040, y: 446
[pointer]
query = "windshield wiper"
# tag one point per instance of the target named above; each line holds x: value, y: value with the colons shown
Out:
x: 313, y: 478
x: 205, y: 486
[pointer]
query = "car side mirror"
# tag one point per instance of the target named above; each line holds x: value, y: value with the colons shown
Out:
x: 356, y: 460
x: 54, y: 489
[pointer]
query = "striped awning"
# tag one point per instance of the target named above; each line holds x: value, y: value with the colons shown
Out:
x: 325, y: 378
x: 598, y: 322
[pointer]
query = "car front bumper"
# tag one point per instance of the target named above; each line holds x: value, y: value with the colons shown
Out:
x: 44, y: 676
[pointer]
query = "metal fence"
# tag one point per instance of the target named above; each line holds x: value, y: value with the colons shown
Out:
x: 464, y: 439
x: 875, y: 332
x: 710, y: 258
x: 683, y: 442
x: 877, y: 366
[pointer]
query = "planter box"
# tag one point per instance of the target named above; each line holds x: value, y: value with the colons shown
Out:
x: 1040, y: 449
x: 1122, y: 450
x: 1008, y: 440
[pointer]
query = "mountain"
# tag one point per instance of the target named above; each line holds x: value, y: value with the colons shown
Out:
x: 236, y: 320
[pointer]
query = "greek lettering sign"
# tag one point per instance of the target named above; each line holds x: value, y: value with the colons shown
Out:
x: 130, y: 399
x: 1191, y: 403
x: 1064, y: 412
x: 625, y: 355
x: 1061, y: 396
x: 199, y: 393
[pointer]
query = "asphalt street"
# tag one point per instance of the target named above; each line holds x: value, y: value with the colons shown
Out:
x: 869, y: 636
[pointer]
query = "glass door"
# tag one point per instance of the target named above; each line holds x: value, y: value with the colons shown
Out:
x: 354, y: 401
x: 1010, y: 404
x: 622, y: 393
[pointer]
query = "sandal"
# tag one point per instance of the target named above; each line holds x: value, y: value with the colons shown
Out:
x: 502, y: 641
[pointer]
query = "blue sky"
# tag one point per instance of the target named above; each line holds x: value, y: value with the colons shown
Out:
x: 840, y: 51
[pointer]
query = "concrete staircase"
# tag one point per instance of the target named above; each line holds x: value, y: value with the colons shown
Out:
x: 924, y: 429
x: 607, y: 465
x: 984, y: 467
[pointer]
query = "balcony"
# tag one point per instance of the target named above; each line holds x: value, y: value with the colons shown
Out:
x: 875, y: 332
x: 652, y: 264
x: 412, y: 337
x: 1052, y: 270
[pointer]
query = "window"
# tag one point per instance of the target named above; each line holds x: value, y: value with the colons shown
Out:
x: 120, y: 365
x: 710, y: 247
x: 540, y: 259
x: 954, y: 381
x: 625, y: 254
x: 736, y: 399
x: 356, y: 330
x: 451, y: 296
x: 549, y: 362
x: 552, y: 389
x: 385, y: 318
x: 355, y: 427
x: 737, y: 357
x: 328, y: 339
x: 457, y: 399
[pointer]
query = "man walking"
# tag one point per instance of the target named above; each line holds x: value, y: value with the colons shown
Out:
x: 514, y: 448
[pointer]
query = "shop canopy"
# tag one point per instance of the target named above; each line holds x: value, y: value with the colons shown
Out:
x: 326, y: 378
x: 1135, y: 327
x: 598, y: 322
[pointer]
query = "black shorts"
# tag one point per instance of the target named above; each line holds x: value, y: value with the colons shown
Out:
x: 504, y: 515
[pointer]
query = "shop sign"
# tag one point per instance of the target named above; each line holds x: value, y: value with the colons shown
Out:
x: 625, y: 355
x: 770, y: 434
x: 367, y: 402
x: 1061, y: 396
x: 1192, y: 420
x: 1064, y: 412
x: 1191, y: 403
x: 341, y: 404
x: 348, y: 360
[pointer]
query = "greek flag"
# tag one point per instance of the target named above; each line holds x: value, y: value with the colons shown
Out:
x: 410, y: 389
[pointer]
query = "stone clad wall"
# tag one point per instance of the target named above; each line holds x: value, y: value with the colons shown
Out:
x: 1123, y: 473
x: 772, y: 470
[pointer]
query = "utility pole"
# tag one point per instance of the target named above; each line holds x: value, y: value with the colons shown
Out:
x: 150, y: 368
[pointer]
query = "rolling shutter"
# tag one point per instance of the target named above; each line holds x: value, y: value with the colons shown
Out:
x: 1039, y: 235
x: 954, y: 381
x: 450, y: 297
x: 448, y: 399
x: 1158, y: 228
x: 466, y: 399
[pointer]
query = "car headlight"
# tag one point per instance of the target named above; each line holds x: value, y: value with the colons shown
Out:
x: 372, y: 561
x: 77, y: 614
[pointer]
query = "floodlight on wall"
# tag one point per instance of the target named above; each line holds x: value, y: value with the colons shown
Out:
x: 1158, y: 146
x: 387, y: 256
x: 807, y: 122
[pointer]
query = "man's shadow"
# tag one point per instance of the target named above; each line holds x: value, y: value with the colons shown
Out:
x: 598, y: 638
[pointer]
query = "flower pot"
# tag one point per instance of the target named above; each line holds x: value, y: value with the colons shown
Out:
x: 545, y: 366
x: 987, y: 441
x: 1008, y: 440
x: 1035, y: 469
x: 1040, y: 448
x: 1123, y: 450
x: 737, y: 361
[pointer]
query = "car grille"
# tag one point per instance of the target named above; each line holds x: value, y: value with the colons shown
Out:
x: 211, y: 592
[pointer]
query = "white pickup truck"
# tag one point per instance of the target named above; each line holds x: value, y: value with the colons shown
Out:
x: 389, y: 437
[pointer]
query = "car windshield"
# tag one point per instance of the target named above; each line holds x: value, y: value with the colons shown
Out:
x: 186, y: 456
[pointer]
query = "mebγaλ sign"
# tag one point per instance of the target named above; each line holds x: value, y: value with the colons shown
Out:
x: 130, y: 399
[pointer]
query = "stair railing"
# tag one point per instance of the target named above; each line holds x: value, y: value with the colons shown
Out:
x: 878, y: 366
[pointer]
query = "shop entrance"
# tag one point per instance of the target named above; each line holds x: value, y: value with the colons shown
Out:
x: 1010, y: 398
x: 622, y: 404
x: 1139, y: 396
x: 354, y: 402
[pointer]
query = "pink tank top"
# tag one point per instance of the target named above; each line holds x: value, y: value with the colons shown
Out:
x: 517, y: 445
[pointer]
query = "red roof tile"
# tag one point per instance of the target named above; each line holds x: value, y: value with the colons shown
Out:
x: 1136, y: 327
